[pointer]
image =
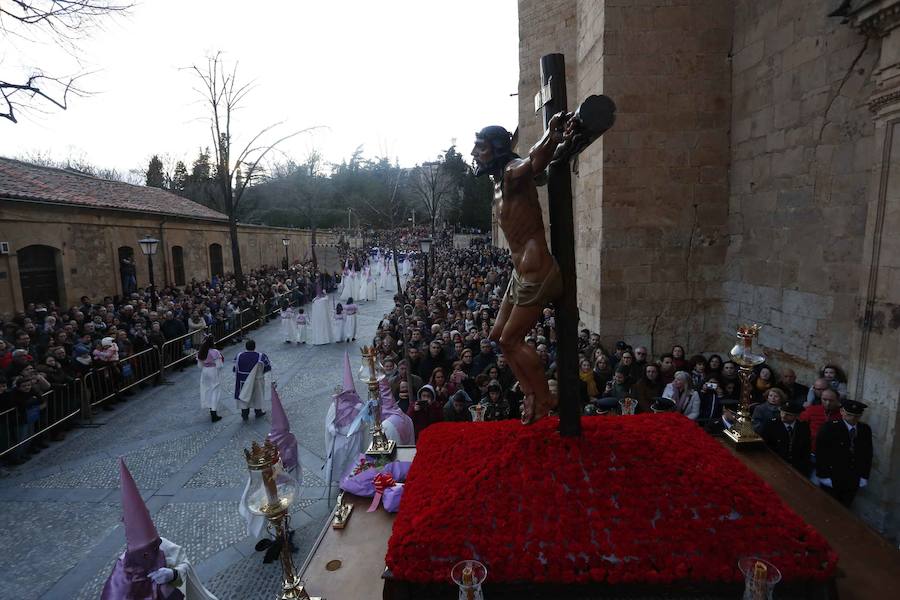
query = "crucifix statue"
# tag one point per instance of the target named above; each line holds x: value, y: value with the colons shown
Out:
x: 538, y: 276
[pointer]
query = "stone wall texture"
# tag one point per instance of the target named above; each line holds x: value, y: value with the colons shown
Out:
x: 752, y: 176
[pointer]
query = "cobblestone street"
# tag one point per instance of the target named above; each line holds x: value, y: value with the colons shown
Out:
x: 60, y: 513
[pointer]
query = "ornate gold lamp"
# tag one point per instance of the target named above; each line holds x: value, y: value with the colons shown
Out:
x: 272, y: 491
x: 371, y: 373
x: 342, y: 510
x: 745, y: 358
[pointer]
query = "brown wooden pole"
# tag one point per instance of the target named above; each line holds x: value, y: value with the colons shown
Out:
x: 562, y: 243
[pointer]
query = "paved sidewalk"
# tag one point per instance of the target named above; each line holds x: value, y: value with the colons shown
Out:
x: 60, y: 513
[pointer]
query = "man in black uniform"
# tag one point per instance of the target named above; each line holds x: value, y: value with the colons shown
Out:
x: 788, y: 437
x: 844, y: 454
x: 718, y: 427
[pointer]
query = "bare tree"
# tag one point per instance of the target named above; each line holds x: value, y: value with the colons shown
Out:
x: 434, y: 187
x: 235, y: 169
x: 62, y: 22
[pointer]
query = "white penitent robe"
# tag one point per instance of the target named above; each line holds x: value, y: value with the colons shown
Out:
x: 346, y: 286
x: 301, y: 328
x: 341, y: 452
x: 320, y: 329
x: 210, y: 386
x: 350, y: 312
x: 288, y: 325
x: 362, y: 288
x: 338, y: 328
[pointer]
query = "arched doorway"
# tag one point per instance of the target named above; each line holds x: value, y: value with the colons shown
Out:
x: 178, y: 264
x: 215, y: 260
x: 38, y: 273
x: 127, y: 270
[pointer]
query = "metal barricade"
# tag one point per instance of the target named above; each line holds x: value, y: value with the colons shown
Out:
x: 66, y: 402
x: 102, y: 384
x: 59, y: 404
x: 179, y: 350
x: 138, y: 368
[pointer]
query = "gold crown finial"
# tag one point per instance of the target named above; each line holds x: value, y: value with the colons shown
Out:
x: 259, y: 457
x: 749, y: 330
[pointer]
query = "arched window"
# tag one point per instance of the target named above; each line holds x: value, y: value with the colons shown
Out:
x: 178, y: 264
x: 215, y: 260
x: 38, y: 273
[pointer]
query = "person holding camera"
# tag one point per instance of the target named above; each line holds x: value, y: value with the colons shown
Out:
x: 711, y: 395
x: 425, y: 410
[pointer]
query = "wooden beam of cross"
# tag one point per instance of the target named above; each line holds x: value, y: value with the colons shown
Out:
x: 593, y: 117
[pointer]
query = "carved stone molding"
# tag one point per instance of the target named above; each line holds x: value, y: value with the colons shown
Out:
x: 879, y: 102
x: 874, y: 18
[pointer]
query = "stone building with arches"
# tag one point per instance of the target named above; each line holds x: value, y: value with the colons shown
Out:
x: 64, y: 234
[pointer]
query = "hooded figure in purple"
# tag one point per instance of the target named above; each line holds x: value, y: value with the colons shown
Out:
x: 152, y: 567
x: 397, y: 425
x: 342, y: 449
x: 280, y: 435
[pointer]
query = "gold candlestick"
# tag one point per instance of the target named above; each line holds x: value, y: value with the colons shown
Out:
x: 272, y: 490
x: 742, y: 355
x: 381, y: 445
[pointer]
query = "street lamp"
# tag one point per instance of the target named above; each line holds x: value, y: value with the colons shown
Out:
x: 148, y: 247
x: 285, y: 241
x: 425, y: 247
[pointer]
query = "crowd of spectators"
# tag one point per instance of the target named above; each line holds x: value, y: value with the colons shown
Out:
x: 48, y: 345
x: 436, y: 349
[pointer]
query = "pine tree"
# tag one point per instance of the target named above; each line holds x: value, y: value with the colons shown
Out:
x: 155, y: 175
x: 179, y: 178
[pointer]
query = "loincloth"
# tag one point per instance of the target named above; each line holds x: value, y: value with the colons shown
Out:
x: 530, y: 293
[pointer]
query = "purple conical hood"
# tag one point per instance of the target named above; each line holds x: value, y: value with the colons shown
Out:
x: 281, y: 435
x: 279, y: 418
x: 139, y: 528
x: 349, y: 384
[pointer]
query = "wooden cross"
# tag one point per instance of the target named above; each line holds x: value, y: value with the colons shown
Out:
x: 595, y: 115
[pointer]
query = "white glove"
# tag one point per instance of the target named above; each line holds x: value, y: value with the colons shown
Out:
x: 863, y: 482
x: 163, y: 575
x: 826, y: 482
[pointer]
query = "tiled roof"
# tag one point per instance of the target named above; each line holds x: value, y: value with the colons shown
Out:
x: 25, y: 181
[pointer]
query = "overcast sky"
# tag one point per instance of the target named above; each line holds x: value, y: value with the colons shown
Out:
x: 401, y: 77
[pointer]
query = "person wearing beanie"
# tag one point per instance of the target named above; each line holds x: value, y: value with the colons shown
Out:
x: 252, y: 371
x: 152, y: 567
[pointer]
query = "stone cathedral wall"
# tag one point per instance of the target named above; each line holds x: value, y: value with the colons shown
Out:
x: 753, y: 174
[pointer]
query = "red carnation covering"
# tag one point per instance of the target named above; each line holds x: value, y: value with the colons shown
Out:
x: 640, y: 499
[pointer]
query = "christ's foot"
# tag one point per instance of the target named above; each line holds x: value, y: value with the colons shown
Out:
x: 527, y: 409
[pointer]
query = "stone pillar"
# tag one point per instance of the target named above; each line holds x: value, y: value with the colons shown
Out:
x: 875, y: 378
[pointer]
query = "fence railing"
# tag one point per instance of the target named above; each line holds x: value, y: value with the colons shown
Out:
x: 56, y: 406
x: 66, y: 403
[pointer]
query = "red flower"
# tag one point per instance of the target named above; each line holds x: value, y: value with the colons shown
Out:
x: 616, y: 505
